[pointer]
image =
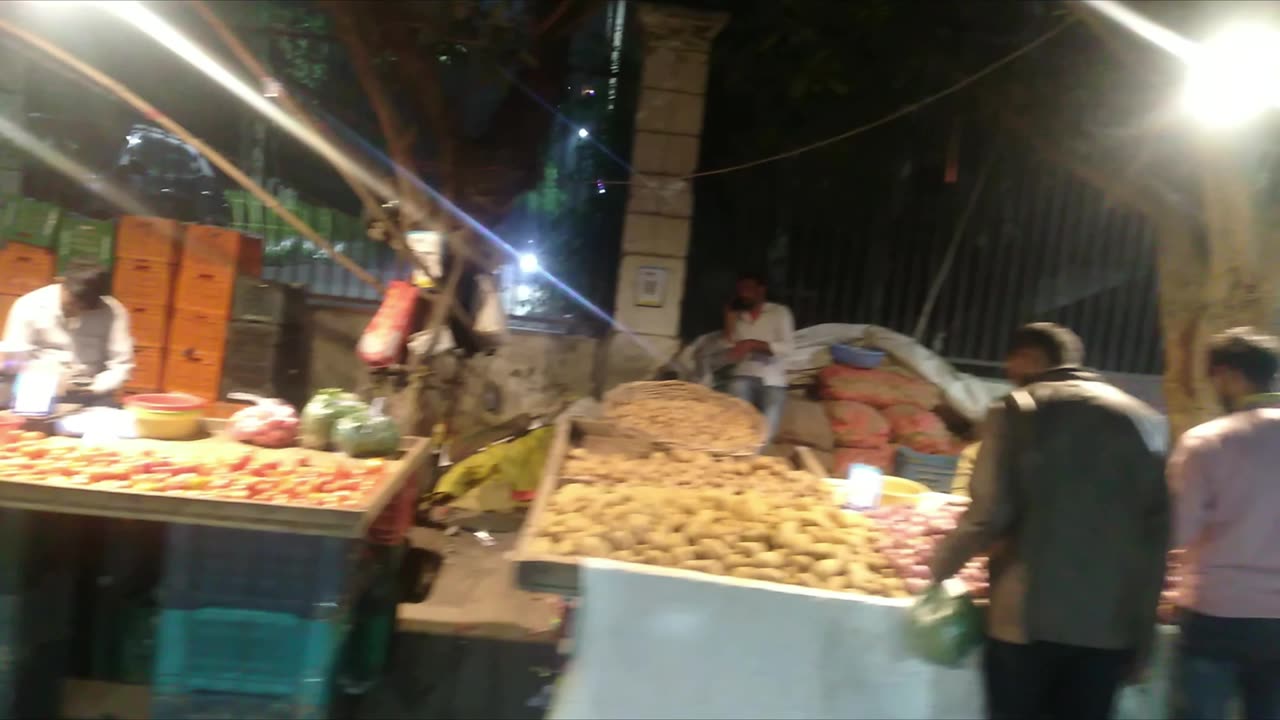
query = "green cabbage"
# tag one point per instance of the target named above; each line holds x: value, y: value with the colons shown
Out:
x: 316, y: 424
x: 366, y: 434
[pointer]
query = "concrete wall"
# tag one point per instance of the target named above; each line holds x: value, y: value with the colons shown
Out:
x: 534, y: 373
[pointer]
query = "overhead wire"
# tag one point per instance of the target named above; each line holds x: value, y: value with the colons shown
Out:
x: 884, y: 120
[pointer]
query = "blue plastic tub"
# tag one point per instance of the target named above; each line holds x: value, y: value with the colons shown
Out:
x: 247, y: 652
x: 305, y: 575
x: 857, y: 357
x: 934, y: 471
x: 223, y: 706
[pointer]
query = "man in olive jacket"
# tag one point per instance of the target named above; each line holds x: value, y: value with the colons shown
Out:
x: 1070, y: 502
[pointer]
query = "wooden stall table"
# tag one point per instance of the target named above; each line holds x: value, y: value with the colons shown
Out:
x: 250, y: 528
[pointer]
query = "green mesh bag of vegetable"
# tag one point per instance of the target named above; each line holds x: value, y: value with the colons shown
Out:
x: 316, y: 423
x: 367, y: 433
x: 944, y: 626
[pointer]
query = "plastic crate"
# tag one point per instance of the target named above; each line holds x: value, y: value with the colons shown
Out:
x: 140, y: 281
x: 934, y: 471
x: 38, y: 615
x: 82, y: 241
x: 149, y: 238
x: 393, y: 523
x: 857, y: 357
x: 269, y: 302
x: 373, y: 626
x: 198, y: 330
x: 30, y: 221
x: 225, y: 706
x: 247, y: 652
x: 6, y: 302
x: 206, y: 289
x: 149, y: 324
x: 307, y: 576
x: 322, y: 220
x: 24, y: 268
x: 33, y: 544
x: 31, y: 684
x: 124, y: 638
x: 222, y: 251
x: 148, y: 369
x: 194, y: 372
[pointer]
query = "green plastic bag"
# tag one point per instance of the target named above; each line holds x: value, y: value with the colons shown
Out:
x: 944, y: 626
x: 316, y: 424
x: 367, y: 433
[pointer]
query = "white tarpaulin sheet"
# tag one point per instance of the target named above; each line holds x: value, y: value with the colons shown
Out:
x: 968, y: 395
x: 674, y: 644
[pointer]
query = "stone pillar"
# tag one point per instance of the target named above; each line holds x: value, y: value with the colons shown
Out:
x: 655, y: 234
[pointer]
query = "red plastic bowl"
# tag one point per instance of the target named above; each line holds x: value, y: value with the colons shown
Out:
x: 165, y: 402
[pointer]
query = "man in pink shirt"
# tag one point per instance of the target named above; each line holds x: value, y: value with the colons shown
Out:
x: 1225, y: 476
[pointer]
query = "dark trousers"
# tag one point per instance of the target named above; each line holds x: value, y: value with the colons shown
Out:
x: 1048, y: 680
x: 1222, y: 660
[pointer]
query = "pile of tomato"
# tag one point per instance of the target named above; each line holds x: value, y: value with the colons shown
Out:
x: 249, y: 475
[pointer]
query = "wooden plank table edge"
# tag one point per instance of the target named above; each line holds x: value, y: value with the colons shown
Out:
x: 217, y: 512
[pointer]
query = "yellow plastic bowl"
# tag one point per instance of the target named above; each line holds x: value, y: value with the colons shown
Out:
x: 168, y: 424
x: 901, y: 491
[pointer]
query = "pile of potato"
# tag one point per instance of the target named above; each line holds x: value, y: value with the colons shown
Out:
x: 696, y: 470
x: 690, y: 423
x: 775, y: 537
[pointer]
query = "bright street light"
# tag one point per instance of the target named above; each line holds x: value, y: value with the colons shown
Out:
x: 528, y: 263
x: 1234, y: 77
x: 584, y: 133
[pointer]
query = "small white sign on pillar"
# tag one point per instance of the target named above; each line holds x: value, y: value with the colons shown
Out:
x: 651, y: 286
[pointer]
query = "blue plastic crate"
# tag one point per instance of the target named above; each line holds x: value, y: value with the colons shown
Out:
x: 308, y: 576
x: 247, y: 652
x: 224, y: 706
x: 934, y: 471
x: 39, y: 615
x: 31, y: 684
x: 858, y: 357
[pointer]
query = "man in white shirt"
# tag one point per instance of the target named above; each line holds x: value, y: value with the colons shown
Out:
x: 75, y: 327
x: 761, y: 335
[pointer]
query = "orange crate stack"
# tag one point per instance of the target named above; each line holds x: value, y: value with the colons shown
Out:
x: 212, y: 258
x: 147, y: 252
x: 24, y: 268
x: 6, y: 302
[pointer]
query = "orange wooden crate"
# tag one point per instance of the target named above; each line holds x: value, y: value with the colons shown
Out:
x: 196, y: 330
x: 148, y: 368
x: 24, y: 268
x: 149, y: 325
x: 205, y: 289
x: 149, y: 238
x: 208, y: 247
x: 139, y: 281
x: 6, y: 302
x: 194, y: 372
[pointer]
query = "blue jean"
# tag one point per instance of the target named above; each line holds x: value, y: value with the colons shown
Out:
x: 1222, y: 660
x: 767, y: 399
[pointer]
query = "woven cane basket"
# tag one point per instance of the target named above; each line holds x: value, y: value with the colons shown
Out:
x: 631, y: 407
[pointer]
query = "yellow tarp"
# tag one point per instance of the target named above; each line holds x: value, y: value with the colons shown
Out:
x: 516, y: 464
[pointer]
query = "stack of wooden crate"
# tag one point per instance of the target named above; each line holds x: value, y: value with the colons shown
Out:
x: 27, y: 234
x: 147, y: 251
x: 212, y: 259
x: 265, y: 341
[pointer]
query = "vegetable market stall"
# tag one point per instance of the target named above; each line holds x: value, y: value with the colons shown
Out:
x: 262, y: 557
x: 724, y: 605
